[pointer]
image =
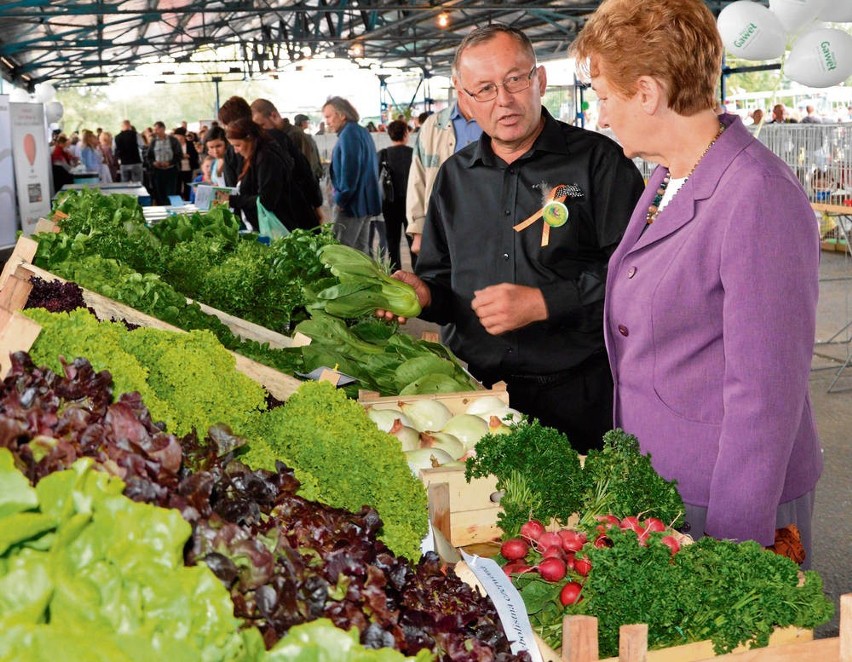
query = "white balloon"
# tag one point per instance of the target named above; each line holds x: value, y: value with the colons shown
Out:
x: 19, y: 96
x: 797, y: 15
x: 751, y: 31
x: 837, y: 12
x: 45, y: 92
x: 820, y: 58
x: 53, y: 111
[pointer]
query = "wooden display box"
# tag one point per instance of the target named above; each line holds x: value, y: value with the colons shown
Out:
x: 463, y: 512
x: 18, y: 332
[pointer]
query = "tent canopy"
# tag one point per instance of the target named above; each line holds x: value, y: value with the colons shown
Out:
x: 92, y: 42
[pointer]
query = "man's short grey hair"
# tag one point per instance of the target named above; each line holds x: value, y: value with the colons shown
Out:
x: 344, y: 107
x: 487, y: 33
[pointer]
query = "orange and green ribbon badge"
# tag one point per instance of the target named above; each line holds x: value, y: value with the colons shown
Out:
x: 553, y: 211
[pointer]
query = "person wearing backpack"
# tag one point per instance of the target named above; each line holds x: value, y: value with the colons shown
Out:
x: 394, y: 165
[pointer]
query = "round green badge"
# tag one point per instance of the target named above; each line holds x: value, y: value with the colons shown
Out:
x: 555, y: 214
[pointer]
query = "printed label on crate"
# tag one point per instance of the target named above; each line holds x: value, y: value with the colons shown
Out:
x: 509, y: 604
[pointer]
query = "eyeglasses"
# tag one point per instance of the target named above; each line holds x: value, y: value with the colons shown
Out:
x: 512, y: 84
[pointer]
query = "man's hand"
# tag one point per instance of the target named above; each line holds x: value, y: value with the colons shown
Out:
x: 506, y: 307
x: 415, y: 242
x: 421, y: 289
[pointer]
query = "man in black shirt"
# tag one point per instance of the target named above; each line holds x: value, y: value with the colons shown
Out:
x: 128, y: 153
x: 519, y: 229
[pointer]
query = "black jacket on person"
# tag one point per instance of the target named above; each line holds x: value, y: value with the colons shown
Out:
x: 267, y: 178
x: 127, y: 147
x: 232, y: 167
x: 307, y: 195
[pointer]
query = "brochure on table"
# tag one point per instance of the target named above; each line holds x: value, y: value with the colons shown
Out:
x: 208, y: 196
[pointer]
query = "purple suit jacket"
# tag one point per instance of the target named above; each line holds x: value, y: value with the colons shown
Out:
x: 709, y: 323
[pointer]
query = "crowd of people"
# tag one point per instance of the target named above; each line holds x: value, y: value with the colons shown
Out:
x: 600, y: 300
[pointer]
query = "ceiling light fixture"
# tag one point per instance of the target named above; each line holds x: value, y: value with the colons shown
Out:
x: 443, y: 20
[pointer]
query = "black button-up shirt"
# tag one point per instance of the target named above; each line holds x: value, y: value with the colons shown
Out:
x: 469, y: 243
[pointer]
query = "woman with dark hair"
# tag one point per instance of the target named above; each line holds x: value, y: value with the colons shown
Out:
x: 396, y: 160
x: 265, y: 174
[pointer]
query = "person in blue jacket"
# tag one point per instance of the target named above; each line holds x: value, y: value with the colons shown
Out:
x: 354, y: 175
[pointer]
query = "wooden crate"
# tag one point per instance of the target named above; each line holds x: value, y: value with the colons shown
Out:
x: 580, y: 641
x: 15, y: 288
x: 463, y: 512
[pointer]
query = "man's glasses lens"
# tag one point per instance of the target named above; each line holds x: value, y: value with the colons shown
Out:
x: 513, y: 85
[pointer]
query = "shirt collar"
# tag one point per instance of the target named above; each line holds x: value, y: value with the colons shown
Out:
x: 551, y: 139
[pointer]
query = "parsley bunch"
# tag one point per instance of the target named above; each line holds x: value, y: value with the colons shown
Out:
x: 537, y: 469
x: 620, y: 481
x: 731, y: 593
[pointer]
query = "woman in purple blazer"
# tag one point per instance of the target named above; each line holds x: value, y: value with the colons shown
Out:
x: 711, y: 296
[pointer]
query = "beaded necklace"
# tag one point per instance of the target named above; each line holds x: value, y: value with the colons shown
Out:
x: 654, y: 207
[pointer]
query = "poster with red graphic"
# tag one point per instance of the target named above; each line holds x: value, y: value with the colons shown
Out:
x: 8, y: 205
x: 32, y: 163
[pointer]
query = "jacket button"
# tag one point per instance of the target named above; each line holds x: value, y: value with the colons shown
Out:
x: 631, y: 272
x: 506, y: 256
x: 623, y: 330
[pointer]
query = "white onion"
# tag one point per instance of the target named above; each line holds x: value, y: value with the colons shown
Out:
x: 426, y: 414
x: 485, y: 405
x: 426, y: 458
x: 444, y: 441
x: 496, y: 426
x: 384, y: 418
x: 408, y: 437
x: 467, y: 428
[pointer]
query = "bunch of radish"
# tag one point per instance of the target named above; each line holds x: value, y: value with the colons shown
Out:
x: 557, y: 556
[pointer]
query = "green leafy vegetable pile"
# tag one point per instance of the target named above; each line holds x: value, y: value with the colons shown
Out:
x: 620, y: 480
x: 536, y: 468
x: 88, y: 574
x: 380, y: 357
x: 731, y: 593
x: 354, y: 463
x: 541, y: 478
x: 189, y: 381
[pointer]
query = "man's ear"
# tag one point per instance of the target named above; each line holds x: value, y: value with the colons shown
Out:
x: 651, y: 94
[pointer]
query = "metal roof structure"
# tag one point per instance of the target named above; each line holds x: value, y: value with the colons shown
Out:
x: 93, y: 42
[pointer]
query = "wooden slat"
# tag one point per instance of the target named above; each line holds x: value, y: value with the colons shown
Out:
x: 17, y: 334
x: 15, y: 292
x: 455, y: 402
x: 579, y: 639
x: 633, y: 643
x: 840, y: 210
x: 23, y: 253
x: 248, y: 330
x: 821, y: 650
x: 439, y: 509
x: 846, y: 627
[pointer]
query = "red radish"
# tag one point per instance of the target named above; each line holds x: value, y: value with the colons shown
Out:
x: 582, y: 566
x: 632, y: 523
x: 606, y: 522
x: 570, y: 593
x: 554, y: 552
x: 549, y: 539
x: 569, y: 561
x: 514, y: 549
x: 552, y: 569
x: 602, y: 541
x: 532, y: 529
x: 515, y: 568
x: 572, y: 541
x: 671, y: 542
x: 654, y: 524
